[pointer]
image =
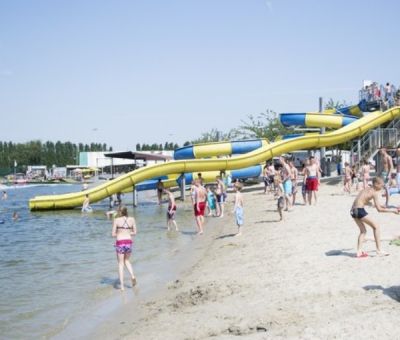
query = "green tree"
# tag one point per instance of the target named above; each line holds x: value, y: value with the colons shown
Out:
x: 264, y: 125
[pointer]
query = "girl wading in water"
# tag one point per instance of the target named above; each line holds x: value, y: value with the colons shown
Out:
x: 123, y: 229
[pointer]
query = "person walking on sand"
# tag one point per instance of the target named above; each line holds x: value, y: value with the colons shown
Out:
x: 238, y: 208
x: 286, y: 182
x: 294, y: 177
x: 312, y: 180
x: 347, y: 178
x: 200, y: 197
x: 123, y: 229
x: 220, y: 193
x: 398, y: 166
x: 365, y: 170
x: 360, y: 215
x: 160, y: 189
x: 387, y: 164
x: 171, y: 211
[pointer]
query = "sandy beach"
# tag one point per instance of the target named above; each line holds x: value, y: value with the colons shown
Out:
x: 296, y: 279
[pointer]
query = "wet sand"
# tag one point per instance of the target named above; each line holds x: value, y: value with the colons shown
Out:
x: 296, y: 279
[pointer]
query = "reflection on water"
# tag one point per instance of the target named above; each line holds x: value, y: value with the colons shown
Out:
x: 58, y: 263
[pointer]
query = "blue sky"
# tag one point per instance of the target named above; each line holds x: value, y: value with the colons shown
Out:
x: 123, y: 72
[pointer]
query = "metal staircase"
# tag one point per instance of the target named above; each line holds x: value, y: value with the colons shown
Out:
x: 368, y: 145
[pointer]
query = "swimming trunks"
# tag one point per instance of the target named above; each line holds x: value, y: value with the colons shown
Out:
x: 221, y: 198
x: 281, y: 203
x: 287, y: 187
x: 312, y: 184
x: 202, y: 207
x: 303, y: 188
x: 171, y: 212
x: 384, y: 175
x: 123, y: 246
x: 239, y: 216
x: 358, y: 213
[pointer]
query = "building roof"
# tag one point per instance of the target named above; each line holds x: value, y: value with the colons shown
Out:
x: 138, y: 156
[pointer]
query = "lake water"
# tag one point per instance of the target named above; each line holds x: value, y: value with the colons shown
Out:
x: 57, y: 266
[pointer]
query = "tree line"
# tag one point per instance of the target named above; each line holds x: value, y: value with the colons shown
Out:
x: 44, y: 153
x: 157, y: 147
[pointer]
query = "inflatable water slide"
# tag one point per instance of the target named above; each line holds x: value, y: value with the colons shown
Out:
x: 352, y: 130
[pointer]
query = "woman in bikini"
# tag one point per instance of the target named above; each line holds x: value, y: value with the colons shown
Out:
x: 123, y: 229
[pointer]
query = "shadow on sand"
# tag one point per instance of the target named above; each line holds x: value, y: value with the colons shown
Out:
x: 340, y: 252
x: 225, y: 236
x: 393, y: 292
x: 267, y: 221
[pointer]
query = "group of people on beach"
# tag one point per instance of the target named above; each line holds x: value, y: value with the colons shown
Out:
x: 210, y: 199
x: 282, y: 178
x: 388, y: 181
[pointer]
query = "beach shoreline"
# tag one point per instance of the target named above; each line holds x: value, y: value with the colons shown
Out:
x: 292, y: 279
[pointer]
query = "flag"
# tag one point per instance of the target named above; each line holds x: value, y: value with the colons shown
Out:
x: 15, y: 163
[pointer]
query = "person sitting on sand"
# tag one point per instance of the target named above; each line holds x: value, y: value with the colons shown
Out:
x: 86, y: 204
x: 123, y: 229
x: 238, y: 208
x: 360, y: 215
x: 171, y: 211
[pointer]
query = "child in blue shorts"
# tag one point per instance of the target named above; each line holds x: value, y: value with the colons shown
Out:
x: 238, y: 209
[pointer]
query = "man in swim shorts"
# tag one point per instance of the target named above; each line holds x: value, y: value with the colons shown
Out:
x: 360, y: 217
x: 312, y: 180
x: 386, y: 163
x: 200, y: 198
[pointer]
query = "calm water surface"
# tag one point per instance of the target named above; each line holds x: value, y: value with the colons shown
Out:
x: 57, y: 265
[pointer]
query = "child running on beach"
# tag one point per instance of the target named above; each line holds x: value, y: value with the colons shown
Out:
x: 171, y: 211
x: 360, y: 215
x: 238, y: 209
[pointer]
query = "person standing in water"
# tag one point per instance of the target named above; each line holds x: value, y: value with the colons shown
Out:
x: 200, y: 197
x: 86, y: 204
x: 171, y: 211
x: 160, y: 189
x: 4, y: 196
x: 123, y: 229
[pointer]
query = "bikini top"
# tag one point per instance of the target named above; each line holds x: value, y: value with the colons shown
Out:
x: 125, y: 225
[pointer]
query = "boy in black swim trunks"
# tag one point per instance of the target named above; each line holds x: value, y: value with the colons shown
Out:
x: 360, y: 215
